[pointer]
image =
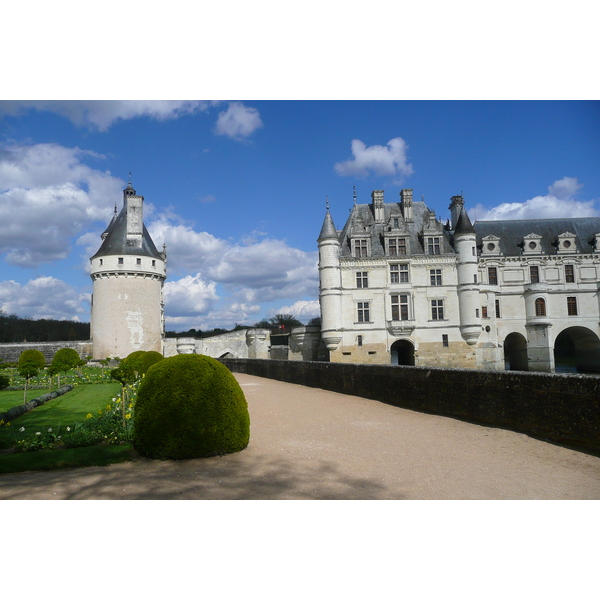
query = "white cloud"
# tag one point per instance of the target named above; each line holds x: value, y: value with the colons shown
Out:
x: 269, y: 268
x: 44, y: 298
x: 560, y: 202
x: 101, y: 114
x: 303, y: 310
x: 382, y: 160
x: 238, y: 121
x: 189, y: 296
x: 187, y: 250
x: 47, y: 196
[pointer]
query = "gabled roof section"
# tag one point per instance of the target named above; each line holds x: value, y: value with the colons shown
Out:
x: 512, y: 233
x: 115, y: 241
x: 362, y: 214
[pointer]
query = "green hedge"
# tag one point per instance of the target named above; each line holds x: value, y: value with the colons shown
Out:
x: 190, y: 406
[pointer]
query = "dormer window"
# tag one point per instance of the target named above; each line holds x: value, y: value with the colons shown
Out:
x: 532, y: 244
x: 565, y: 244
x: 490, y: 246
x: 360, y: 248
x: 396, y: 246
x: 433, y: 245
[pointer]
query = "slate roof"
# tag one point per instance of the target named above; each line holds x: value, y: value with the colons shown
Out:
x: 362, y: 221
x: 511, y: 233
x: 116, y: 240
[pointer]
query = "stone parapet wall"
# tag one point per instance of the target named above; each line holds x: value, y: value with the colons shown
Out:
x: 559, y: 408
x: 11, y: 352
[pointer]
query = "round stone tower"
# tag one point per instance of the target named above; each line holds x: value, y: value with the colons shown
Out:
x: 128, y: 274
x: 330, y: 287
x: 465, y: 244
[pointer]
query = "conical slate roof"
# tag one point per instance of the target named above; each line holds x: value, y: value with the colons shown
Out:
x: 328, y: 230
x: 463, y: 225
x: 115, y: 241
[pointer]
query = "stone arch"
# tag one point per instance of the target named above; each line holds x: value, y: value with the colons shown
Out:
x: 228, y: 354
x: 403, y: 353
x: 515, y: 352
x: 577, y: 349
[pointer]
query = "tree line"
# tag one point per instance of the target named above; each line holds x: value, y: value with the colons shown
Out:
x: 278, y: 324
x: 15, y: 329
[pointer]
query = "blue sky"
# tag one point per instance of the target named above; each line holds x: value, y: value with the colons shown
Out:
x: 292, y: 109
x: 237, y: 189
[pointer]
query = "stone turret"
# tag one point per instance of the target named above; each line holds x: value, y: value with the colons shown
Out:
x: 128, y: 274
x: 465, y: 244
x: 330, y: 286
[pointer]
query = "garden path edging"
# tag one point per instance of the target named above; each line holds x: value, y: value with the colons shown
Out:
x: 16, y: 411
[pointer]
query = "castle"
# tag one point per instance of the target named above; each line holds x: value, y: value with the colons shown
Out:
x: 397, y: 286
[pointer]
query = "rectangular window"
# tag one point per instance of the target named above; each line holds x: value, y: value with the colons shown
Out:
x: 399, y: 274
x: 497, y: 309
x: 363, y: 312
x: 534, y: 274
x: 492, y: 276
x: 120, y: 261
x: 484, y: 312
x: 433, y: 245
x: 474, y: 278
x: 435, y: 276
x: 396, y: 223
x: 362, y: 280
x: 138, y: 261
x: 359, y: 339
x: 437, y: 310
x: 397, y: 246
x: 569, y: 274
x: 477, y: 313
x: 444, y: 340
x: 572, y: 306
x: 360, y: 248
x: 403, y: 273
x: 153, y: 263
x: 400, y: 307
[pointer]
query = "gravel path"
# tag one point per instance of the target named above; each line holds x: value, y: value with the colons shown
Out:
x: 308, y: 443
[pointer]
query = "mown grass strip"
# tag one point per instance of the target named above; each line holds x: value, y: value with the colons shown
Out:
x: 12, y: 398
x: 64, y: 411
x: 66, y: 458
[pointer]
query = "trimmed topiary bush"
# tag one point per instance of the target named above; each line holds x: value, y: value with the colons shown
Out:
x: 190, y: 406
x: 148, y: 359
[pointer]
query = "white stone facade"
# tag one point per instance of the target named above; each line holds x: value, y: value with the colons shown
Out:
x: 397, y: 286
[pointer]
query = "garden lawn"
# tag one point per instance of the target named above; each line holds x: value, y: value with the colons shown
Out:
x: 66, y: 410
x: 10, y: 399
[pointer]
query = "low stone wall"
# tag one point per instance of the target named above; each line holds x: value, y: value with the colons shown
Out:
x: 560, y: 408
x: 11, y: 352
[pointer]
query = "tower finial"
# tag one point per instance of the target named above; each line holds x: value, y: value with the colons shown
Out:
x: 354, y: 193
x: 327, y: 202
x: 129, y: 177
x: 115, y: 208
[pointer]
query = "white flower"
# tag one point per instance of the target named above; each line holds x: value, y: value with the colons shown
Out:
x: 38, y: 433
x: 22, y: 429
x: 68, y: 429
x: 49, y: 429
